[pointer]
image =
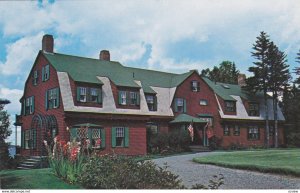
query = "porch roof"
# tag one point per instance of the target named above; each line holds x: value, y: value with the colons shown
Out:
x: 86, y: 125
x: 205, y: 115
x: 184, y: 118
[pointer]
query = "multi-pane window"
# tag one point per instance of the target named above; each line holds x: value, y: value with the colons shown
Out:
x: 94, y: 95
x: 29, y: 105
x: 45, y: 73
x: 129, y: 98
x: 230, y: 106
x: 87, y: 94
x: 203, y: 102
x: 236, y: 130
x: 152, y: 128
x: 29, y: 139
x: 90, y: 137
x: 133, y: 98
x: 253, y: 133
x: 195, y: 86
x: 120, y: 137
x: 82, y: 94
x: 226, y: 130
x: 52, y: 98
x: 151, y: 102
x: 35, y: 77
x: 122, y: 98
x: 180, y: 105
x: 253, y: 109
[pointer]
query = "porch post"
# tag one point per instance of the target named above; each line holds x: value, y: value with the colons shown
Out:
x: 204, y: 136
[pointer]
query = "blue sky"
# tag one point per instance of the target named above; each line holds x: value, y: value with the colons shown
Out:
x: 167, y: 35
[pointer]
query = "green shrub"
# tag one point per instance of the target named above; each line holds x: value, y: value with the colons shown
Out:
x: 215, y: 143
x: 293, y: 139
x: 166, y: 143
x: 118, y: 172
x: 179, y: 140
x: 158, y: 143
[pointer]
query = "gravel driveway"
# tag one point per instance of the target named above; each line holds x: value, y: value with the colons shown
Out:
x: 192, y: 173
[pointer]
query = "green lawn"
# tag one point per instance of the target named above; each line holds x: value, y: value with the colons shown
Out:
x: 281, y: 161
x: 32, y: 179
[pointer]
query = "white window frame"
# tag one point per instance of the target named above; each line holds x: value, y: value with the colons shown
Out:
x: 83, y: 94
x: 94, y: 93
x: 195, y: 86
x: 203, y: 102
x: 123, y: 98
x: 120, y: 134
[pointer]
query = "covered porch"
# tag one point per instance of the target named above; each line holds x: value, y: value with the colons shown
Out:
x: 195, y: 126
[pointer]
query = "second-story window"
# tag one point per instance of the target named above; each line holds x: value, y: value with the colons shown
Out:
x: 253, y: 109
x: 230, y: 106
x: 128, y: 98
x: 35, y: 77
x: 29, y: 105
x: 180, y: 105
x: 134, y: 98
x: 52, y: 98
x: 86, y: 94
x: 45, y: 73
x: 122, y: 98
x: 151, y: 102
x: 195, y: 85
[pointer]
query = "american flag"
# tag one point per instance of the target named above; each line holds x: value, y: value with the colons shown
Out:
x: 191, y: 130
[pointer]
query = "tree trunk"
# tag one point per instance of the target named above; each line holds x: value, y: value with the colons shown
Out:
x: 275, y: 120
x: 267, y: 133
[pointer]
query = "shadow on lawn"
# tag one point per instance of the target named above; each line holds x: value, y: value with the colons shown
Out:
x: 7, y: 180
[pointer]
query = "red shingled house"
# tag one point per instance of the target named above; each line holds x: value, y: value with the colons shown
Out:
x: 113, y: 105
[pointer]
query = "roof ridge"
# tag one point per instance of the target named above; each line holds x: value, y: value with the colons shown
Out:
x: 83, y: 57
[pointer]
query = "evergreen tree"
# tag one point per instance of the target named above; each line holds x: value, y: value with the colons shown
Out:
x: 297, y: 69
x: 4, y: 122
x: 259, y: 81
x: 4, y: 133
x: 278, y: 79
x: 226, y: 73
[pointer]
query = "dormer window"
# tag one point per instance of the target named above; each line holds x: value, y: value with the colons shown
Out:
x: 87, y: 94
x: 82, y: 94
x: 151, y: 102
x: 230, y: 106
x: 129, y: 98
x: 253, y: 109
x: 134, y: 98
x: 195, y: 86
x: 122, y: 98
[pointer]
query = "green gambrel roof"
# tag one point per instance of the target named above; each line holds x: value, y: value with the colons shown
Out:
x: 224, y: 90
x: 184, y: 118
x: 86, y: 70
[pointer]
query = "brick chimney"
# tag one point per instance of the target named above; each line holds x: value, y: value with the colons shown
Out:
x: 104, y: 55
x: 242, y: 79
x: 47, y: 43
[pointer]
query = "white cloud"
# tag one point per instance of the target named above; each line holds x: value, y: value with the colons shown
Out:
x: 13, y: 95
x: 21, y: 55
x: 122, y: 25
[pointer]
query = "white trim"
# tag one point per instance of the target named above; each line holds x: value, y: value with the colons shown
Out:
x: 109, y: 107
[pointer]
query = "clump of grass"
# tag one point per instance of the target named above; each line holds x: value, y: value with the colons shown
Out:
x: 284, y: 161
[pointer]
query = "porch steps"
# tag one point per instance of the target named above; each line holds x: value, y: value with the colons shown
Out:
x: 199, y: 148
x: 33, y: 162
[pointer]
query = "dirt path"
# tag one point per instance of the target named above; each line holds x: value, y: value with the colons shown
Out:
x: 192, y: 173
